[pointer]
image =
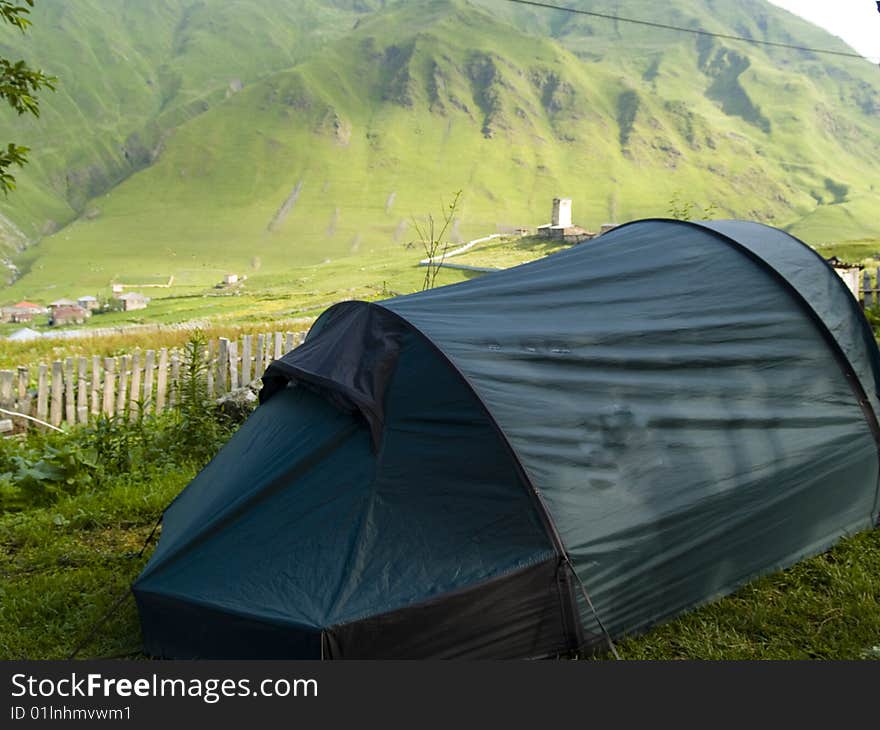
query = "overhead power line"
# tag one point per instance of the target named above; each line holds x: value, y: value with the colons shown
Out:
x: 693, y: 31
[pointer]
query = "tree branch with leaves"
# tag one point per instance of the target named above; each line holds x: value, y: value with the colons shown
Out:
x: 19, y: 84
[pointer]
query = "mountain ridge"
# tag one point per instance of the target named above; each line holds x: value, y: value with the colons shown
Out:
x: 419, y: 99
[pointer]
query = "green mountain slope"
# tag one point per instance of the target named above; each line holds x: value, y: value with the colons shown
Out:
x: 131, y: 72
x: 333, y: 156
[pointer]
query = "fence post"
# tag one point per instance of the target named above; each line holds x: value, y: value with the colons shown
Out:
x: 56, y: 411
x: 222, y: 365
x: 162, y: 380
x: 43, y: 392
x: 233, y: 365
x: 7, y: 390
x: 149, y: 374
x: 23, y: 382
x: 279, y: 345
x: 82, y: 400
x: 69, y: 392
x: 123, y: 385
x: 288, y: 342
x: 246, y: 359
x: 260, y: 357
x: 109, y: 384
x: 23, y: 401
x: 96, y: 385
x: 134, y: 394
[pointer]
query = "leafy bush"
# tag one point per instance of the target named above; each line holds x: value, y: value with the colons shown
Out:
x: 200, y: 428
x: 872, y: 314
x: 45, y: 466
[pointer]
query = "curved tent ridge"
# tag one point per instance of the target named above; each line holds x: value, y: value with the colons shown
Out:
x: 826, y: 295
x: 819, y: 291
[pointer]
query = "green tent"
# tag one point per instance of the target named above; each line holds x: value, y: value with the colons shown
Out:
x: 617, y: 432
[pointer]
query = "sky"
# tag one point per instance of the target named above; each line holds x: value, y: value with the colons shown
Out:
x: 855, y: 21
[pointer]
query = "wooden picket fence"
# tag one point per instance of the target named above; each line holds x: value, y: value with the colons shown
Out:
x: 869, y: 286
x: 77, y: 389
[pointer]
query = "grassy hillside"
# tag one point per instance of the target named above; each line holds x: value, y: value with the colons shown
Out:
x: 133, y: 71
x: 321, y: 166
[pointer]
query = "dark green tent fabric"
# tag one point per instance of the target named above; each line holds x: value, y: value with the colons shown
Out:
x: 680, y: 412
x: 299, y: 525
x: 671, y: 409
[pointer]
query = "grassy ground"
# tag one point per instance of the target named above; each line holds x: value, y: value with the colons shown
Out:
x: 62, y: 568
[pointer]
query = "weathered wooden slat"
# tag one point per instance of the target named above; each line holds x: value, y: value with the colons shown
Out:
x: 23, y: 399
x: 7, y: 389
x: 109, y: 385
x: 246, y: 360
x: 134, y: 394
x: 288, y: 342
x: 96, y: 385
x: 279, y: 346
x: 869, y: 290
x: 82, y: 392
x: 56, y: 408
x: 24, y: 379
x: 69, y: 392
x: 162, y: 380
x: 122, y: 390
x: 7, y: 400
x: 149, y: 377
x: 233, y: 365
x: 260, y: 356
x: 222, y: 365
x: 43, y: 392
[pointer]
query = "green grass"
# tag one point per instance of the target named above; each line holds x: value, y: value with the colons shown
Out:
x: 827, y: 607
x: 866, y: 251
x: 61, y: 568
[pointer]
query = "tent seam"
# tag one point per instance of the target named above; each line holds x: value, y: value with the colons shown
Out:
x: 544, y: 512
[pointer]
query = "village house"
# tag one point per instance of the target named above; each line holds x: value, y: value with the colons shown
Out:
x: 560, y: 227
x: 230, y: 279
x: 62, y: 303
x: 68, y: 314
x: 21, y: 312
x: 88, y: 302
x: 131, y: 301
